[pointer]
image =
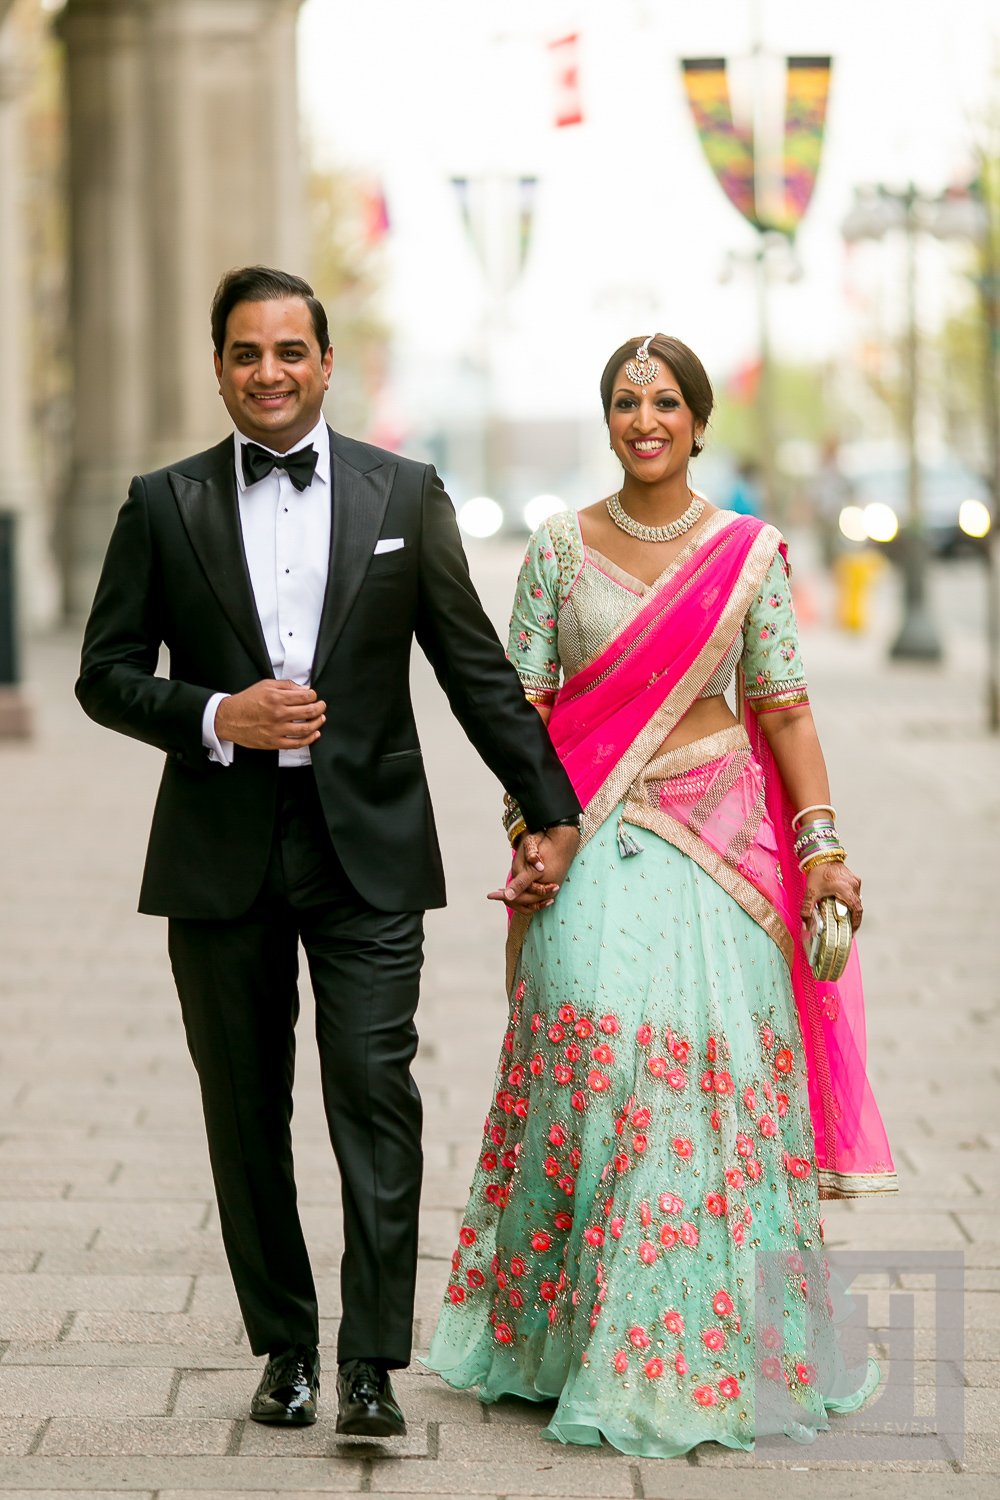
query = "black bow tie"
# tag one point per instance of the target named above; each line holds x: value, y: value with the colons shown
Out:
x: 300, y: 466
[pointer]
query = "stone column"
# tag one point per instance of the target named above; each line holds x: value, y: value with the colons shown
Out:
x: 20, y: 489
x: 184, y: 162
x: 108, y: 277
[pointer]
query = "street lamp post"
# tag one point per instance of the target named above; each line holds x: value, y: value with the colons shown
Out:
x: 874, y: 213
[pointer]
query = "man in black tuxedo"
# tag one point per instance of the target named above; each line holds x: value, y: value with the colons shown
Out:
x: 288, y: 570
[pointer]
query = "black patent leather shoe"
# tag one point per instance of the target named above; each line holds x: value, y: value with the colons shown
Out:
x: 367, y: 1404
x: 289, y: 1390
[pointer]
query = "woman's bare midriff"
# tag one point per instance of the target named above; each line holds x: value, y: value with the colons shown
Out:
x: 705, y: 716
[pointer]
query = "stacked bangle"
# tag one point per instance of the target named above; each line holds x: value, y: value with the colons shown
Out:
x: 831, y: 857
x: 819, y: 843
x: 513, y: 819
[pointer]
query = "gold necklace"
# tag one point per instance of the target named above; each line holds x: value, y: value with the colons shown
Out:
x: 668, y: 533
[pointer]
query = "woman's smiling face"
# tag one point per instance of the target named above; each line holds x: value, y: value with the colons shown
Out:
x: 652, y: 427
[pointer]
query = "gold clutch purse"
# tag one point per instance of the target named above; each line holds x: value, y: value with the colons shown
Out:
x: 829, y: 939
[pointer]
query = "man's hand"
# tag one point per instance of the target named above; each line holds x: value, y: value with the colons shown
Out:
x: 548, y: 855
x: 271, y: 716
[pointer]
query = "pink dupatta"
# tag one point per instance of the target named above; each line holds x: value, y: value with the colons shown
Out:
x: 608, y: 722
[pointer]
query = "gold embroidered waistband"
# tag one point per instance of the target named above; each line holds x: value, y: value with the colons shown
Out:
x: 699, y: 753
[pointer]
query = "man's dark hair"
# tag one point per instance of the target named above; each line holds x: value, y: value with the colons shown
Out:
x: 262, y: 284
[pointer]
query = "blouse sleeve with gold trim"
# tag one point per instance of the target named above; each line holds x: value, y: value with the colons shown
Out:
x: 773, y: 678
x: 534, y: 624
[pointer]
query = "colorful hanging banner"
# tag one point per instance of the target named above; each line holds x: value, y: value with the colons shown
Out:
x: 807, y: 90
x: 737, y: 160
x: 565, y: 59
x: 729, y: 151
x: 498, y: 214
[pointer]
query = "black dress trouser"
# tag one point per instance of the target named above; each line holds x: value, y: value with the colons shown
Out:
x: 237, y: 983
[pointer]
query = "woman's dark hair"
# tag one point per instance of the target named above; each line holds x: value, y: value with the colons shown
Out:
x: 696, y: 388
x: 262, y: 284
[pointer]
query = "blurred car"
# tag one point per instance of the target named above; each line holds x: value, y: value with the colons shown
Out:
x: 944, y: 487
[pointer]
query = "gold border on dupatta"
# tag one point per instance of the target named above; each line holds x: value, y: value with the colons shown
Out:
x: 677, y: 702
x: 662, y: 723
x: 834, y: 1185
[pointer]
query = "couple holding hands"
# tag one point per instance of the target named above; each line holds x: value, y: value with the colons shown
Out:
x: 676, y: 1091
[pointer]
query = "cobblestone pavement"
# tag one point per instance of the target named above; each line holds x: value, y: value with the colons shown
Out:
x: 123, y: 1365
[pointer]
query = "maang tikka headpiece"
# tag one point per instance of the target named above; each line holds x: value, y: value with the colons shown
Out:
x: 642, y: 369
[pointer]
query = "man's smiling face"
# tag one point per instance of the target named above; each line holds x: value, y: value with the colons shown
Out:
x: 272, y: 376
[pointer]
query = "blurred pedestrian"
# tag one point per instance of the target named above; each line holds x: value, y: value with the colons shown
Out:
x: 287, y: 570
x: 747, y: 497
x: 830, y: 491
x: 657, y: 1118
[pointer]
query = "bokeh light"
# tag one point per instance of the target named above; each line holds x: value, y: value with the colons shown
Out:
x: 880, y: 522
x: 852, y: 523
x: 974, y: 518
x: 480, y: 517
x: 538, y: 510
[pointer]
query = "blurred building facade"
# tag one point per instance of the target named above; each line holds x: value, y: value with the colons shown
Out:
x: 182, y: 161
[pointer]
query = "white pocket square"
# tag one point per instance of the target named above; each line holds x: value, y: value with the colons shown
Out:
x: 388, y: 544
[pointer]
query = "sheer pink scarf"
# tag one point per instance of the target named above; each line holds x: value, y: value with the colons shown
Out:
x: 607, y: 725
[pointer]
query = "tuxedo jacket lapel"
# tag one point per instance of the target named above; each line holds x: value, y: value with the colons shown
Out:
x: 210, y: 511
x: 359, y: 502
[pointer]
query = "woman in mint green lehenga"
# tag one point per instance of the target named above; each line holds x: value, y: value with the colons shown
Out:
x: 675, y: 1092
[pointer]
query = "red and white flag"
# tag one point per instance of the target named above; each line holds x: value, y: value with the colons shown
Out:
x: 565, y: 58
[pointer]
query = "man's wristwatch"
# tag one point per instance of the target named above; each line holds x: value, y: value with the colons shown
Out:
x: 573, y: 821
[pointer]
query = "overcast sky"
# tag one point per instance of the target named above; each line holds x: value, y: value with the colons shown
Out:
x: 631, y: 227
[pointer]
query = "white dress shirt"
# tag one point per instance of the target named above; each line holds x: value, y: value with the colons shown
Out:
x: 286, y: 538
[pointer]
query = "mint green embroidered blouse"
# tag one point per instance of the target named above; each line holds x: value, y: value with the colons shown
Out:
x: 571, y: 601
